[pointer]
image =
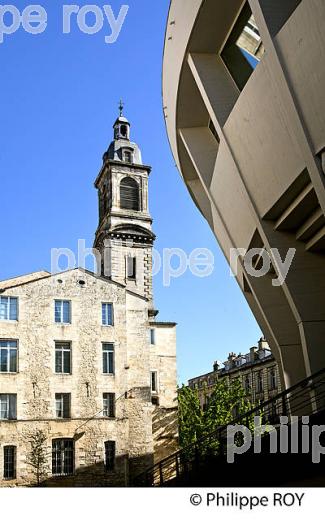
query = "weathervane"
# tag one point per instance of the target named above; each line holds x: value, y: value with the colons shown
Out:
x: 121, y: 106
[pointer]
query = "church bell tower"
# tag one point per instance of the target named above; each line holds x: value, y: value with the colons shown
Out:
x: 124, y: 237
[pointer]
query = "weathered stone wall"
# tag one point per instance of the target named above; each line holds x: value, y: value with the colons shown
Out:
x: 36, y: 381
x: 165, y: 418
x: 207, y: 382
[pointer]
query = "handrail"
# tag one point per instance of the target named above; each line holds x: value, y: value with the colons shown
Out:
x: 175, y: 457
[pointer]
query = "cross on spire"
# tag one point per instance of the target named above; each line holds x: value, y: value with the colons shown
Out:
x: 121, y: 106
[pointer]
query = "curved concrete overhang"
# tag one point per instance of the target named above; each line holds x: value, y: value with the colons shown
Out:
x: 180, y: 23
x: 184, y: 37
x: 252, y: 160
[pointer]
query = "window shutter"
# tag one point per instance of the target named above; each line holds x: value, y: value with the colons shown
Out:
x: 105, y: 362
x: 67, y: 362
x: 66, y: 405
x: 111, y: 362
x: 12, y: 406
x: 58, y: 360
x: 129, y: 194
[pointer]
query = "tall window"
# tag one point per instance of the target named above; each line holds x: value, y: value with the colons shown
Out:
x: 8, y: 308
x: 62, y: 406
x: 124, y: 131
x: 109, y: 405
x: 154, y: 381
x: 152, y: 336
x: 8, y: 355
x: 62, y: 311
x: 8, y: 406
x: 9, y: 462
x: 129, y: 194
x: 62, y: 358
x: 109, y: 455
x: 108, y: 358
x: 259, y: 381
x: 107, y: 314
x: 272, y: 379
x: 247, y: 383
x: 62, y: 457
x: 131, y: 267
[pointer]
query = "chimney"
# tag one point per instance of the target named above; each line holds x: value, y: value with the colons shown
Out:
x: 262, y: 344
x: 252, y: 354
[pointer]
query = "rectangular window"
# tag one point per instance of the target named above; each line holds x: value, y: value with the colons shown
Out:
x: 108, y: 358
x: 107, y: 314
x: 9, y: 462
x: 8, y: 308
x: 109, y: 405
x: 62, y: 457
x: 244, y: 48
x: 62, y: 406
x: 247, y: 383
x: 272, y: 379
x: 62, y: 311
x: 62, y: 358
x: 259, y: 382
x: 154, y: 381
x: 109, y: 455
x: 8, y: 406
x: 152, y: 336
x: 8, y: 355
x: 131, y: 267
x: 127, y: 156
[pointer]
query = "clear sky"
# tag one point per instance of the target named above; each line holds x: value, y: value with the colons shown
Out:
x: 59, y: 98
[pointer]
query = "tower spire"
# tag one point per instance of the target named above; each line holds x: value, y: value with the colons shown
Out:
x: 124, y: 230
x: 121, y: 106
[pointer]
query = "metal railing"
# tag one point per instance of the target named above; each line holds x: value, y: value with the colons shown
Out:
x: 304, y: 398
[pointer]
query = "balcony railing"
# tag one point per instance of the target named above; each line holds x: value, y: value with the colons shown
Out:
x: 305, y: 398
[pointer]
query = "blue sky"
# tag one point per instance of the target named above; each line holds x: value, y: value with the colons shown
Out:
x: 59, y: 97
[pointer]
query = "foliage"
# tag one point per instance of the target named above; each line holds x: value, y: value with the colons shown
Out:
x: 38, y: 456
x: 190, y: 416
x: 227, y: 402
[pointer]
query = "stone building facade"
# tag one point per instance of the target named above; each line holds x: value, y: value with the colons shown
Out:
x: 83, y: 358
x: 257, y: 371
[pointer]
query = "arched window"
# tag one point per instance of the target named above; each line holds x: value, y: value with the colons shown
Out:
x: 124, y: 131
x: 129, y: 194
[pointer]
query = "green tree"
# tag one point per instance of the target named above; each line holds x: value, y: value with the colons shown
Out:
x: 190, y: 416
x: 227, y: 402
x: 38, y: 455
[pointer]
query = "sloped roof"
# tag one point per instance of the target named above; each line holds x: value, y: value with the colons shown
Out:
x: 26, y: 278
x: 39, y: 275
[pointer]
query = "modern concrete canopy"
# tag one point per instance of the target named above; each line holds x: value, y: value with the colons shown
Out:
x: 249, y: 142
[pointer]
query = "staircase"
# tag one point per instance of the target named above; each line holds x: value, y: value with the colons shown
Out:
x: 204, y: 462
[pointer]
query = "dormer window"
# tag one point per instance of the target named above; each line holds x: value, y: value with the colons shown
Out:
x: 127, y: 155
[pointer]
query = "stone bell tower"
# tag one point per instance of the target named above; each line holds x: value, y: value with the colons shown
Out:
x: 124, y: 236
